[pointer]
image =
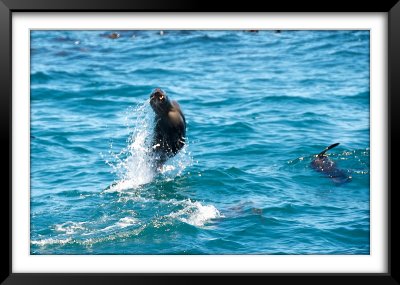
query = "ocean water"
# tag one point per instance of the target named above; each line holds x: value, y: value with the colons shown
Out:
x: 258, y: 105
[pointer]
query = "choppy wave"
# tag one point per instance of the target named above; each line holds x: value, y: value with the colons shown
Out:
x: 88, y: 233
x: 258, y: 107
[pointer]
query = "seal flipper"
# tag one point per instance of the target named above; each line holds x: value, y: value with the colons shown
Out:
x: 322, y: 153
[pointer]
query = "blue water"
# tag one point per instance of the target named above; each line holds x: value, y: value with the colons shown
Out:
x: 258, y: 107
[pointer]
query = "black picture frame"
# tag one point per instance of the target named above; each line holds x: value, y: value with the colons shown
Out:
x: 8, y: 7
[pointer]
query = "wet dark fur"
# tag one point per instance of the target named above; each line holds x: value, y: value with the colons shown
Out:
x: 170, y: 127
x: 323, y: 164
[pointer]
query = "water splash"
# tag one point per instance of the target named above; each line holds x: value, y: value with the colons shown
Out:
x: 196, y: 214
x: 134, y: 165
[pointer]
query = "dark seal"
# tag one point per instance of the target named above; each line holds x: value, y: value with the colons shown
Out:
x: 170, y: 127
x: 323, y: 164
x: 114, y: 36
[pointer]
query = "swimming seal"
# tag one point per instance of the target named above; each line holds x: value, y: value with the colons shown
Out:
x: 323, y: 164
x: 112, y: 36
x: 170, y: 127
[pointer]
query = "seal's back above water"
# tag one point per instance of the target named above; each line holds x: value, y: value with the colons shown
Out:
x: 322, y: 163
x: 170, y: 127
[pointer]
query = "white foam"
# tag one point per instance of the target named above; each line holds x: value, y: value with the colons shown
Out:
x: 122, y: 223
x: 126, y: 222
x: 120, y: 186
x: 51, y: 241
x: 88, y: 241
x: 196, y: 214
x: 70, y: 228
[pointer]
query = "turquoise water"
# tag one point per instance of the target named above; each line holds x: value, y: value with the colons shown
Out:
x: 258, y: 106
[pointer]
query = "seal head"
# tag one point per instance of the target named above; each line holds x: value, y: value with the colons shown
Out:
x: 159, y: 102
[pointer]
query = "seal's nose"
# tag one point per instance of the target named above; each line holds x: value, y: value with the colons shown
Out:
x: 157, y: 93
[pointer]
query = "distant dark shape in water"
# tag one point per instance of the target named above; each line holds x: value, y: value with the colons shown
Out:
x: 252, y: 31
x: 62, y: 53
x: 83, y: 49
x: 170, y: 127
x: 64, y: 39
x: 323, y: 164
x: 112, y: 36
x: 257, y: 211
x: 185, y: 32
x: 278, y: 31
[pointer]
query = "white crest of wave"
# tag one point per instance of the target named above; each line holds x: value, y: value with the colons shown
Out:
x: 51, y: 241
x: 134, y: 164
x: 70, y: 228
x: 196, y: 214
x: 122, y: 223
x: 126, y: 222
